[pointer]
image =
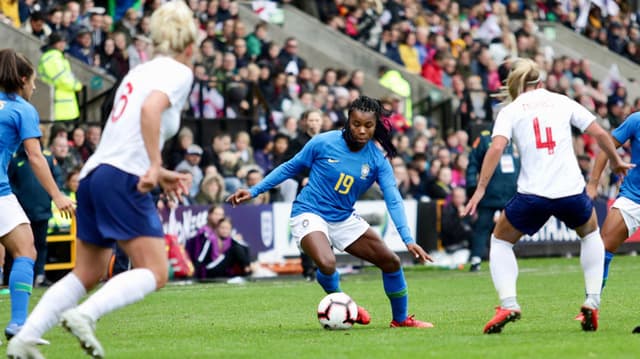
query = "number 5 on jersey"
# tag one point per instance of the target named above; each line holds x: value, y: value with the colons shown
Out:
x: 343, y: 186
x: 549, y: 144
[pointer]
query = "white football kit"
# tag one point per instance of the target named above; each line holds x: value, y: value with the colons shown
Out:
x: 539, y: 122
x: 122, y: 145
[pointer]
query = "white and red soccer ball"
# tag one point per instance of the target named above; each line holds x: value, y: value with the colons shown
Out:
x: 337, y: 311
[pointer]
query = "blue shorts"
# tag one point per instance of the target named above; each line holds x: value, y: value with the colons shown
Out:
x: 528, y: 213
x: 110, y: 208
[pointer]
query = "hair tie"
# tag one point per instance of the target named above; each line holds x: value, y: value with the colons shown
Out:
x: 533, y: 82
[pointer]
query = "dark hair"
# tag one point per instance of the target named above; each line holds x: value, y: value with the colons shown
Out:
x: 13, y: 68
x: 382, y: 132
x: 38, y: 16
x: 279, y: 136
x: 252, y: 171
x: 262, y: 24
x: 213, y: 208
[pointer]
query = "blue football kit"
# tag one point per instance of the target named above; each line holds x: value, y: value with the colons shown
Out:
x: 338, y: 177
x: 629, y: 130
x: 19, y: 121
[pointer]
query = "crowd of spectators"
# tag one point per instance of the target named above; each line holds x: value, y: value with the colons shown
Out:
x: 612, y: 24
x: 467, y: 46
x: 464, y: 46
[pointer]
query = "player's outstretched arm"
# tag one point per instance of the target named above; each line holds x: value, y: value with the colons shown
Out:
x: 241, y: 195
x: 419, y: 253
x: 608, y: 146
x: 598, y: 167
x: 42, y: 171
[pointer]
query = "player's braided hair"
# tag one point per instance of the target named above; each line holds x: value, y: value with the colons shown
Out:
x: 382, y: 132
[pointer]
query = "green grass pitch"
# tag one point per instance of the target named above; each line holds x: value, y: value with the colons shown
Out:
x: 277, y: 318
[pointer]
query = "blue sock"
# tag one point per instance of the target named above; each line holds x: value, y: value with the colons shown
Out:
x: 608, y: 257
x: 396, y: 288
x: 330, y: 283
x: 20, y: 285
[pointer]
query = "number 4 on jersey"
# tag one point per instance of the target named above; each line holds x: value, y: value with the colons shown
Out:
x: 549, y: 144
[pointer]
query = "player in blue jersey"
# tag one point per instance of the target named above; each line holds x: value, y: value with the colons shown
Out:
x: 623, y: 218
x: 343, y: 165
x: 19, y: 124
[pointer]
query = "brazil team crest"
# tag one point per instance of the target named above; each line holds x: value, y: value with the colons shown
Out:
x: 364, y: 171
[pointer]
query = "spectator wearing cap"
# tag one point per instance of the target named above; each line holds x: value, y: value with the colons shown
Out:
x: 82, y: 48
x: 191, y: 164
x: 55, y: 70
x: 37, y: 26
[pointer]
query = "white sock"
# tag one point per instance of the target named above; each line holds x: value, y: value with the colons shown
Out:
x: 124, y: 289
x: 592, y: 261
x: 64, y: 294
x: 504, y: 270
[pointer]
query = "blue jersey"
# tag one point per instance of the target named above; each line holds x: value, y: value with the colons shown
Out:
x: 18, y: 121
x: 337, y: 179
x: 630, y: 130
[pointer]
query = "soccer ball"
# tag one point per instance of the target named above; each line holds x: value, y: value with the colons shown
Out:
x: 337, y: 311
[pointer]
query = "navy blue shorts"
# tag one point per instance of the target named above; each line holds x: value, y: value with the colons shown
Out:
x: 110, y: 208
x: 528, y: 213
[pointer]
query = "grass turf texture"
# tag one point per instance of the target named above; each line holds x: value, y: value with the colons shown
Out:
x: 277, y: 318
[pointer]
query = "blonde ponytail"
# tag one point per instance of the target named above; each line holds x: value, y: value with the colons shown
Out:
x: 173, y: 28
x: 524, y: 73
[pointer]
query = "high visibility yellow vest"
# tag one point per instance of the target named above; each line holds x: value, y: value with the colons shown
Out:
x: 393, y: 80
x: 55, y: 70
x: 57, y: 223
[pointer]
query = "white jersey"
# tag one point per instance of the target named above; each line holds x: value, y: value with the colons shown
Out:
x: 121, y: 144
x: 539, y: 122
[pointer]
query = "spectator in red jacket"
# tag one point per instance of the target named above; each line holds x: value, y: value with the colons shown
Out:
x: 432, y: 70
